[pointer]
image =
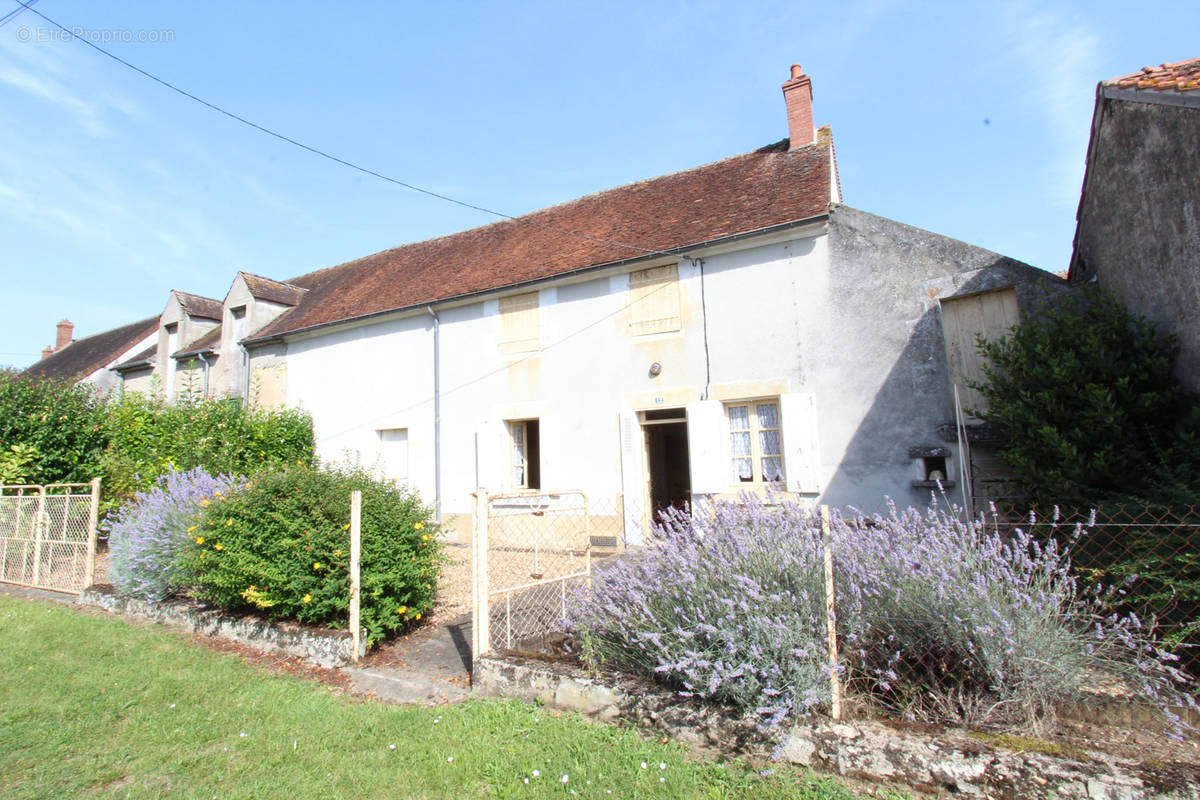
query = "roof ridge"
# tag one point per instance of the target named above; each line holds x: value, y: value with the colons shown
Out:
x: 773, y: 148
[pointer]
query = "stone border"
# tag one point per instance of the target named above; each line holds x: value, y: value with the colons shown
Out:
x: 864, y: 750
x: 325, y: 648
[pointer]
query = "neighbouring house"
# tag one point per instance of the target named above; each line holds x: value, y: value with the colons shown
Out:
x: 732, y: 327
x: 92, y: 358
x: 1138, y: 225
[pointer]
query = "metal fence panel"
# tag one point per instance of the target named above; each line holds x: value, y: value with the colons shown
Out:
x: 48, y: 535
x: 531, y: 550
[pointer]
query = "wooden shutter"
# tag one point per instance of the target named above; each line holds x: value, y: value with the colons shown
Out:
x: 801, y: 451
x: 520, y: 328
x: 631, y: 475
x: 654, y: 300
x: 707, y: 433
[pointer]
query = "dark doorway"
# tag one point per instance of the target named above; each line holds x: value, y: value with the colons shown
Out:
x: 667, y: 460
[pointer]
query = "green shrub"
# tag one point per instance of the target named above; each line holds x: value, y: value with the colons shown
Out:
x: 280, y: 546
x: 147, y: 437
x: 1090, y: 406
x: 55, y: 426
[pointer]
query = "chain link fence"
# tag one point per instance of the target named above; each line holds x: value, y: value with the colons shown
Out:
x: 48, y: 535
x: 530, y: 551
x: 1152, y: 554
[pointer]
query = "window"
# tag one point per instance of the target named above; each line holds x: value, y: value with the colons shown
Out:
x: 520, y: 328
x: 654, y: 300
x: 526, y: 457
x: 393, y: 452
x: 755, y: 442
x: 238, y: 318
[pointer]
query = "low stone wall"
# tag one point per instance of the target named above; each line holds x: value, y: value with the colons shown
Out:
x: 873, y: 751
x: 325, y: 648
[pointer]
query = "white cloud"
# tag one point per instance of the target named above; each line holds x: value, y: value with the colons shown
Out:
x: 1062, y: 59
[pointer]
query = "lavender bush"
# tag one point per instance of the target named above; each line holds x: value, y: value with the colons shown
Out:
x: 943, y: 619
x: 937, y: 618
x: 147, y: 535
x: 735, y: 613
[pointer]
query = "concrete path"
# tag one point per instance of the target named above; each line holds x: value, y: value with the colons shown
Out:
x: 429, y: 667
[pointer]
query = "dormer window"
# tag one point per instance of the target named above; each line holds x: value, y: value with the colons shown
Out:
x: 237, y: 323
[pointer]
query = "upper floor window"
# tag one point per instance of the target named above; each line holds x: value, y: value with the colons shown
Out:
x: 520, y: 326
x: 755, y: 443
x: 654, y: 300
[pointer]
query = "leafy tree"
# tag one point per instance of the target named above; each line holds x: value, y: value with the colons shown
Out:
x: 1092, y: 411
x: 51, y: 431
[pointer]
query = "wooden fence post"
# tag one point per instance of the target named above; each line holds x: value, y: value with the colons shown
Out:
x: 480, y: 611
x: 355, y: 579
x: 89, y: 575
x: 835, y: 680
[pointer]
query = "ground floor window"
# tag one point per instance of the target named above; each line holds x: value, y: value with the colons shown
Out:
x: 526, y: 464
x: 755, y: 442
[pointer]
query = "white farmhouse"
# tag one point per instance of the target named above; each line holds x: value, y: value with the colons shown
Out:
x: 729, y: 328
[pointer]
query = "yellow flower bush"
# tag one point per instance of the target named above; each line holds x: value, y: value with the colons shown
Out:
x: 287, y: 531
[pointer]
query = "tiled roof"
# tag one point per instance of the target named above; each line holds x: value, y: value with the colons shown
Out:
x: 1182, y: 76
x: 272, y: 291
x: 143, y: 359
x: 768, y: 187
x: 204, y: 344
x: 84, y: 356
x: 197, y: 306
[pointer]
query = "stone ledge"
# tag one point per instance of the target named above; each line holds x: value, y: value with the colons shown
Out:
x: 872, y: 751
x: 326, y: 648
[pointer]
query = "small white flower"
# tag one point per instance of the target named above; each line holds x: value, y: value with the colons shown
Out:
x: 449, y: 759
x: 243, y: 735
x: 391, y: 747
x: 537, y: 772
x: 526, y: 780
x: 662, y: 765
x: 643, y: 765
x: 662, y: 780
x: 171, y: 706
x: 565, y: 778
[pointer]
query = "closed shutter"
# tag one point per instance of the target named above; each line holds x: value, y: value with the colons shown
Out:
x: 707, y: 433
x: 520, y: 328
x: 654, y: 295
x: 631, y: 475
x: 801, y: 451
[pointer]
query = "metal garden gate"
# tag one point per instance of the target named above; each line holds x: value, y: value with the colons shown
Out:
x: 48, y: 535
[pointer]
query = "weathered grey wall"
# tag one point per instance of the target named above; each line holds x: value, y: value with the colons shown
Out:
x: 1139, y: 222
x: 885, y: 319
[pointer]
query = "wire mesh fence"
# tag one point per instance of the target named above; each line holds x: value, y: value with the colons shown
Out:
x: 1150, y: 555
x: 48, y: 535
x: 531, y: 551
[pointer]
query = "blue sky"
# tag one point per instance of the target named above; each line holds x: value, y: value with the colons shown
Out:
x: 968, y: 119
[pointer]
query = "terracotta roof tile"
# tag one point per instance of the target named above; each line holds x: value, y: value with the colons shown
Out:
x: 272, y: 291
x: 198, y: 306
x: 1182, y: 76
x: 768, y: 187
x: 84, y: 356
x: 204, y: 344
x: 142, y: 359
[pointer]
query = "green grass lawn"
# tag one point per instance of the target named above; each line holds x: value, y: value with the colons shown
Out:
x: 93, y: 707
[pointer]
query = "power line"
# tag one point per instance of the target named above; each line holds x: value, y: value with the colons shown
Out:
x: 318, y: 152
x: 16, y: 12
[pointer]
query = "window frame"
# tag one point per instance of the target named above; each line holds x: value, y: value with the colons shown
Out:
x: 754, y: 430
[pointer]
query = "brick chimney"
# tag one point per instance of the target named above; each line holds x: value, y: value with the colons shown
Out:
x: 47, y: 351
x: 66, y: 329
x: 797, y: 96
